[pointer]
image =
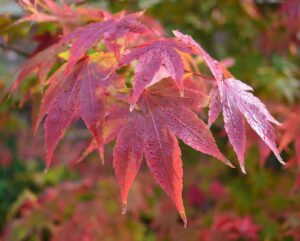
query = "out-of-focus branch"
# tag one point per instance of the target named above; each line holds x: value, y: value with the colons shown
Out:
x: 15, y: 49
x: 199, y: 75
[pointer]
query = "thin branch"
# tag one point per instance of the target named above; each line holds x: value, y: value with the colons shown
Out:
x: 16, y: 50
x: 199, y: 75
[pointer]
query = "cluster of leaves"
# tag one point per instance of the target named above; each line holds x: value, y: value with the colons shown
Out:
x: 77, y: 207
x: 269, y: 41
x: 87, y: 209
x: 127, y: 81
x: 284, y: 29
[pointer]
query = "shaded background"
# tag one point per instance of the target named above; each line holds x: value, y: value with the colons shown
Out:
x: 258, y: 41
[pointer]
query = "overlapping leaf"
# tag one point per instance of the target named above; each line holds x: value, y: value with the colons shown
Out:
x: 109, y: 31
x: 151, y: 57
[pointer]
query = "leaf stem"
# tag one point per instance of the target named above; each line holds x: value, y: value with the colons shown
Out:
x: 199, y: 75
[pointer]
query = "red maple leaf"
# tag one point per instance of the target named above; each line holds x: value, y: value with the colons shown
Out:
x: 152, y: 56
x: 237, y: 102
x: 160, y: 115
x: 80, y: 93
x: 109, y: 31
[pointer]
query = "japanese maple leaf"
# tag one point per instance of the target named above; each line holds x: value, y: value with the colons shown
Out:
x: 195, y: 98
x: 151, y: 57
x: 41, y: 62
x: 109, y: 31
x: 235, y: 99
x: 81, y: 92
x: 238, y: 103
x: 161, y: 114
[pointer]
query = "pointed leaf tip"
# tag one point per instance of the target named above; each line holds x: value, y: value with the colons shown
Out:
x: 141, y: 13
x: 181, y: 93
x: 183, y: 218
x: 101, y: 154
x: 276, y: 122
x: 46, y: 170
x: 124, y: 208
x: 243, y: 169
x: 175, y: 32
x: 131, y: 108
x: 228, y: 163
x: 281, y: 160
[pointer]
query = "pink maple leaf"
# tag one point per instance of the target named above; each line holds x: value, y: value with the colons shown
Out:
x: 237, y: 102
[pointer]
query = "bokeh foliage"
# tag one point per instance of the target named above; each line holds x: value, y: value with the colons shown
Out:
x: 231, y: 32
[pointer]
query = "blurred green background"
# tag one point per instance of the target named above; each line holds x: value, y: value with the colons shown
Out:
x: 81, y: 202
